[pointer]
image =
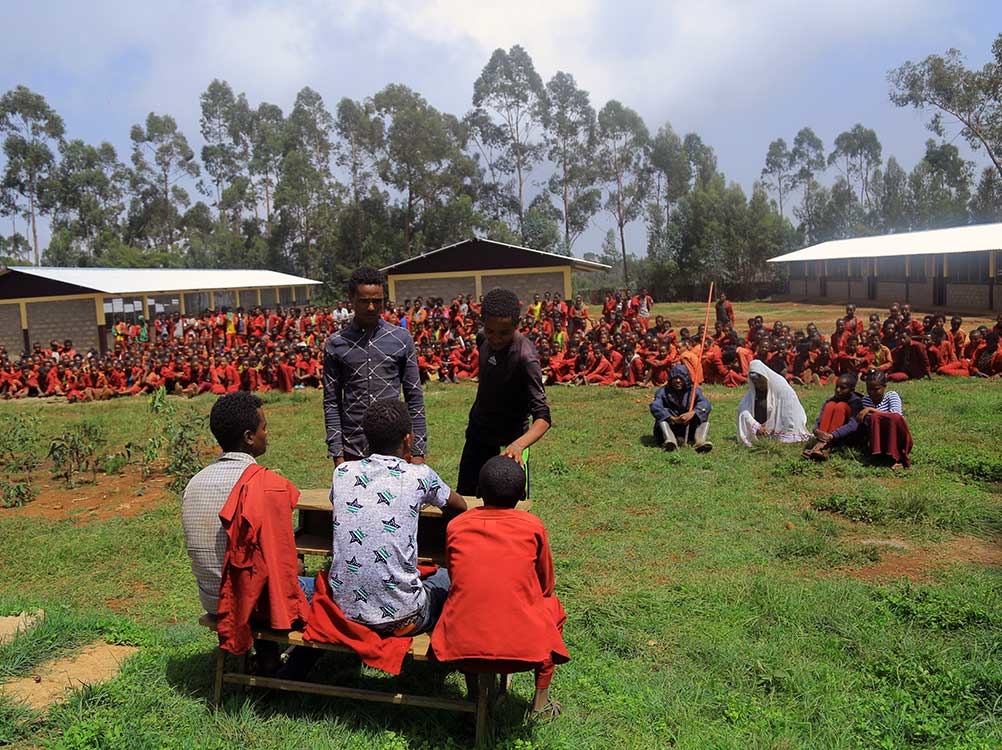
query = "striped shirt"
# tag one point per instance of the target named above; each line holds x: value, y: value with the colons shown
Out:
x: 890, y: 403
x: 204, y: 535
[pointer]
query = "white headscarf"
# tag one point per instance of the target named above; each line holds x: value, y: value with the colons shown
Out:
x: 786, y: 420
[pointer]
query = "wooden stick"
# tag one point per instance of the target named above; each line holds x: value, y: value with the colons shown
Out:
x: 699, y: 370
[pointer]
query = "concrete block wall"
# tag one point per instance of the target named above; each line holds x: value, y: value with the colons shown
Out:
x: 526, y: 284
x: 838, y: 291
x: 857, y: 291
x: 890, y: 291
x: 920, y: 294
x: 74, y: 319
x: 967, y: 297
x: 430, y: 288
x: 11, y: 335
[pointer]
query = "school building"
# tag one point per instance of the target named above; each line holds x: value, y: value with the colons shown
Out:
x: 475, y: 266
x: 957, y: 269
x: 39, y: 304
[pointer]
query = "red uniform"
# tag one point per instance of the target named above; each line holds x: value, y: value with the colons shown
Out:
x: 501, y: 605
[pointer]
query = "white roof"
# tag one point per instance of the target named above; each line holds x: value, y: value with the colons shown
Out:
x: 965, y: 239
x: 147, y: 280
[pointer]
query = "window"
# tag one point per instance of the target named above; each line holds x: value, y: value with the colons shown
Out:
x: 891, y: 269
x: 195, y: 303
x: 967, y: 268
x: 838, y: 270
x: 798, y: 270
x: 224, y: 298
x: 268, y: 297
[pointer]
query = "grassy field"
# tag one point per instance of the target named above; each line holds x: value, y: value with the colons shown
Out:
x: 740, y: 599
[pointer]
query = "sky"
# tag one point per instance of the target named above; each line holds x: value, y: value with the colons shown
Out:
x: 741, y: 73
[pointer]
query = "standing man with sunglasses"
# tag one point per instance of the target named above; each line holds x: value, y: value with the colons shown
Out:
x: 366, y: 361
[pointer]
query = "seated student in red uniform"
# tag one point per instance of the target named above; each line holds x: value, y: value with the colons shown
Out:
x: 883, y: 421
x: 836, y: 422
x: 910, y: 360
x: 502, y: 614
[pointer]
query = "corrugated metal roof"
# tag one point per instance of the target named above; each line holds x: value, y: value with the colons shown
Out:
x: 139, y: 280
x: 965, y: 239
x: 579, y: 264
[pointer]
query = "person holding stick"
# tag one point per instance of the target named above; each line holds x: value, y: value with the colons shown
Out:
x: 680, y: 409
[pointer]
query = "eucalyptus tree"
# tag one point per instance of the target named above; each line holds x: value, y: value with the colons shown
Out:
x: 956, y: 95
x: 569, y: 122
x: 623, y: 142
x: 161, y: 159
x: 511, y: 91
x: 32, y: 130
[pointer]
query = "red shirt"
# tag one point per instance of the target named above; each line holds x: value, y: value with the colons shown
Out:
x: 501, y: 604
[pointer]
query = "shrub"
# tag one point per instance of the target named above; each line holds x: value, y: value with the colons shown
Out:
x: 75, y: 452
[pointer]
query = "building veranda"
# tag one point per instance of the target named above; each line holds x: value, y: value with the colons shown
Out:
x: 81, y: 304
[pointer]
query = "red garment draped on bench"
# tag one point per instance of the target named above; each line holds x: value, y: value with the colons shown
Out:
x: 890, y: 436
x: 260, y: 580
x: 327, y: 624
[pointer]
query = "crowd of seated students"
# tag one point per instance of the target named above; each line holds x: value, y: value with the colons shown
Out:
x: 900, y: 345
x: 622, y: 344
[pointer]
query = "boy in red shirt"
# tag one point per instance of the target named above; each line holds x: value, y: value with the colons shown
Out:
x: 501, y: 614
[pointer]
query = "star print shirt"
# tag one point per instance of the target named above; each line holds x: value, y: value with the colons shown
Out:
x: 373, y: 576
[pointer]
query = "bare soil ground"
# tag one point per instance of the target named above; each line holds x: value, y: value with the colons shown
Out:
x: 899, y: 559
x: 93, y: 663
x: 111, y: 496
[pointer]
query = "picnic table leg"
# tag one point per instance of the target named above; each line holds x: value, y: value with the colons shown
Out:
x: 484, y: 682
x: 217, y: 688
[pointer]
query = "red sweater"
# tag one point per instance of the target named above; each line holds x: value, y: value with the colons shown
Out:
x: 260, y: 578
x: 501, y: 604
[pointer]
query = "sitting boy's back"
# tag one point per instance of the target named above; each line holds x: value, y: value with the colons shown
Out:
x: 373, y: 576
x: 502, y: 571
x: 502, y: 614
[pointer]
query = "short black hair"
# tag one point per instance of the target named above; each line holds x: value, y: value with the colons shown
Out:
x: 850, y: 377
x: 502, y: 482
x: 501, y: 303
x: 365, y: 275
x: 231, y: 416
x: 385, y: 424
x: 877, y: 377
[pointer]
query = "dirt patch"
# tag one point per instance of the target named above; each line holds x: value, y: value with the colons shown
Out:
x: 111, y: 496
x: 19, y: 623
x: 919, y: 563
x: 96, y: 662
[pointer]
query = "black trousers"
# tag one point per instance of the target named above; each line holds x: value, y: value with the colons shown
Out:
x: 475, y: 455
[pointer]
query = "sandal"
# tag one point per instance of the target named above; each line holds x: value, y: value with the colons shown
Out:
x: 547, y: 713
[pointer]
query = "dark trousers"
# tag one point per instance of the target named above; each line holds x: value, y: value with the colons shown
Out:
x: 475, y: 455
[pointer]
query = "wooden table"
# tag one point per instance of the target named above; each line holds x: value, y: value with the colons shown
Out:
x: 315, y: 532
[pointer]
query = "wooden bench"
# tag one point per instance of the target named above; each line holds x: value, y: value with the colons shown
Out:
x: 490, y: 687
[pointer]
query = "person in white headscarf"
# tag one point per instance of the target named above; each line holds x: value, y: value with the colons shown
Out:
x: 770, y: 408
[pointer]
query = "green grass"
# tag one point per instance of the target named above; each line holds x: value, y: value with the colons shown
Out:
x: 706, y: 599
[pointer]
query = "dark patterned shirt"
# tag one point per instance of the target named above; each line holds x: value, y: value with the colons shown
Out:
x: 360, y: 368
